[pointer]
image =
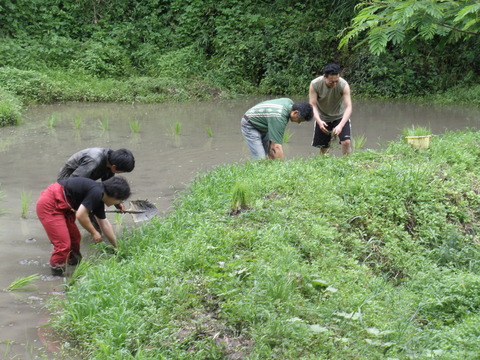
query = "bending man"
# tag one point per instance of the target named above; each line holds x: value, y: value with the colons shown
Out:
x: 264, y: 124
x: 97, y: 163
x: 73, y: 199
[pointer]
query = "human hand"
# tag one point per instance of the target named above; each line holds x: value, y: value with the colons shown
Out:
x: 97, y: 237
x: 120, y: 207
x: 337, y: 130
x: 323, y: 126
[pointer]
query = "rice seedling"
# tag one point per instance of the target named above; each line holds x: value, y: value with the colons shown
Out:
x: 52, y: 121
x: 134, y: 126
x: 25, y: 198
x: 77, y: 123
x: 418, y: 136
x: 416, y: 130
x: 8, y: 345
x: 118, y: 218
x: 177, y: 127
x: 241, y: 196
x: 287, y: 135
x: 103, y: 124
x: 209, y: 131
x: 359, y: 142
x: 22, y: 282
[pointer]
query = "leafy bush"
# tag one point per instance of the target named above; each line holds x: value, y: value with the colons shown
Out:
x: 38, y: 53
x: 10, y: 109
x: 177, y: 64
x: 458, y: 95
x: 30, y: 85
x: 102, y: 58
x: 240, y: 46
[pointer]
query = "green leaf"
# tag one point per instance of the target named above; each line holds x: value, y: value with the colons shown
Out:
x: 471, y: 9
x: 319, y: 284
x: 396, y: 34
x: 378, y: 40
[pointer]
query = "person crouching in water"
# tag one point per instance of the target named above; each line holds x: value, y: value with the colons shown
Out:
x: 70, y: 199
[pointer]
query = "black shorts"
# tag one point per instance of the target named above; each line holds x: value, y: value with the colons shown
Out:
x: 322, y: 140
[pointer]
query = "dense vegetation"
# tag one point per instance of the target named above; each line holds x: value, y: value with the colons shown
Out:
x: 157, y: 50
x: 370, y: 256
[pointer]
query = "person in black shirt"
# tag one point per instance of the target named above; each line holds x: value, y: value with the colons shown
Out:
x: 98, y: 163
x: 75, y: 198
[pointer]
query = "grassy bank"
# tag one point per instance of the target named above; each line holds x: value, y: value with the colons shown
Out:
x: 370, y: 256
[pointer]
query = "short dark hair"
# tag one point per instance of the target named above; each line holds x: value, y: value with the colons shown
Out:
x: 117, y: 187
x: 305, y: 110
x: 331, y: 69
x: 122, y: 159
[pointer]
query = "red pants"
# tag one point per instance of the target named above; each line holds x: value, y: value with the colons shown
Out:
x: 59, y: 222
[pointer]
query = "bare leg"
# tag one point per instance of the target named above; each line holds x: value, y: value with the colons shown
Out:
x: 346, y: 148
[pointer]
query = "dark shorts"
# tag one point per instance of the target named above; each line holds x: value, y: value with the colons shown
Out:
x: 322, y: 140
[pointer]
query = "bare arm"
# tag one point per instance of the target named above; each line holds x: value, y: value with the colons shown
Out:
x: 83, y: 218
x: 107, y: 229
x: 312, y: 98
x: 347, y: 105
x: 275, y: 151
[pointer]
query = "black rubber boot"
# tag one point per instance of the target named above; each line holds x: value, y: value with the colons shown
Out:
x: 74, y: 259
x: 58, y: 270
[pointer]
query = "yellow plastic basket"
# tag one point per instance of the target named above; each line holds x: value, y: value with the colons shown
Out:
x: 419, y: 142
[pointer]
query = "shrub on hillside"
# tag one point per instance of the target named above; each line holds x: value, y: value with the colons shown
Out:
x: 31, y: 85
x: 10, y: 107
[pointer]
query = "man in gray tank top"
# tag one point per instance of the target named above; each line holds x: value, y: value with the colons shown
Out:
x: 329, y: 96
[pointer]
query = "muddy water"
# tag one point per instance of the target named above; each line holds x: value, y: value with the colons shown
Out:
x: 31, y: 155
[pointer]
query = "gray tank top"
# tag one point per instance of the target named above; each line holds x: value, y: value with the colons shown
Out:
x: 329, y: 100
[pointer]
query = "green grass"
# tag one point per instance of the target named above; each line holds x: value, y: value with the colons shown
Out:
x: 25, y: 203
x: 370, y: 256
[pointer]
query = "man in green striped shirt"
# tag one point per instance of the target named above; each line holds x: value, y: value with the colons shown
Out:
x: 264, y: 124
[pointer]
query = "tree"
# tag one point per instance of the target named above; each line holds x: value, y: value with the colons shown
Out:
x: 403, y: 22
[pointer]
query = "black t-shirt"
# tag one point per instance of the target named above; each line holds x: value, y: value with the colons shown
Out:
x: 86, y: 192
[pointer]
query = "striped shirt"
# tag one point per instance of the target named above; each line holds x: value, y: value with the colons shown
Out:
x: 271, y: 116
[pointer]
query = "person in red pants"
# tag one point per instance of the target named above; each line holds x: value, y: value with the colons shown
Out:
x: 71, y: 199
